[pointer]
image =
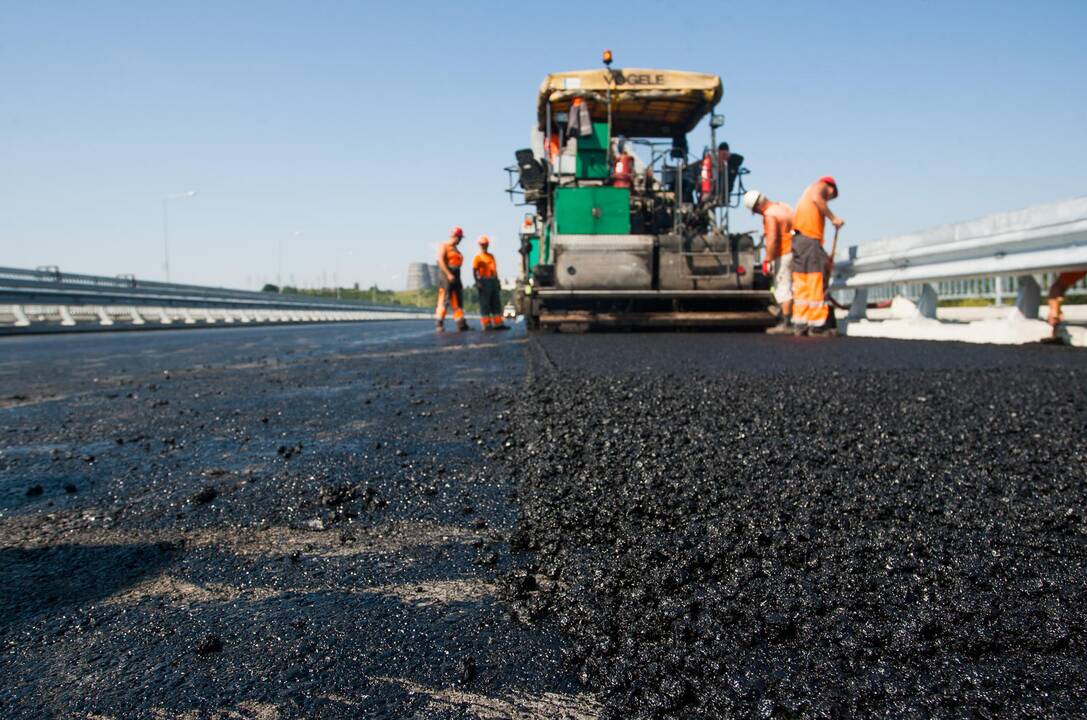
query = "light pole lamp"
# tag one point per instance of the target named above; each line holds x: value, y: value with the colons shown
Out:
x: 166, y: 227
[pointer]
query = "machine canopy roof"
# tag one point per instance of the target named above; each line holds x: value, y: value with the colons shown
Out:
x: 644, y: 103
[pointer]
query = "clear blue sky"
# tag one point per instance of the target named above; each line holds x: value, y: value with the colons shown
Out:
x: 372, y: 128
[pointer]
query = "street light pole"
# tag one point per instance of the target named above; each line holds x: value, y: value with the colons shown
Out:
x: 279, y: 275
x: 166, y: 228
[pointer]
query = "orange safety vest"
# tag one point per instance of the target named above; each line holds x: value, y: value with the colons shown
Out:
x: 484, y: 265
x: 809, y: 219
x: 453, y: 258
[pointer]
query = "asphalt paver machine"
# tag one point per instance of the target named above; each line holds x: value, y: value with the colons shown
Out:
x: 630, y: 228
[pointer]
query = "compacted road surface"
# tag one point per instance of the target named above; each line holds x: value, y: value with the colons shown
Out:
x: 263, y: 523
x: 371, y: 520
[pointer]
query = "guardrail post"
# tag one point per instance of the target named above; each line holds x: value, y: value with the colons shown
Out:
x: 66, y: 318
x: 103, y: 316
x: 137, y: 319
x: 926, y: 304
x: 858, y: 309
x: 164, y: 318
x: 208, y: 317
x: 1027, y: 300
x: 21, y: 320
x: 244, y: 318
x: 186, y: 315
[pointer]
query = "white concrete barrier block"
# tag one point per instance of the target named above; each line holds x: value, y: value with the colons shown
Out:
x: 66, y: 318
x: 1073, y: 335
x: 902, y: 308
x: 21, y: 320
x: 103, y: 316
x: 135, y: 317
x: 999, y: 332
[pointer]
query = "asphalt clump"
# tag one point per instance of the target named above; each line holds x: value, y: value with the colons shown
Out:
x: 909, y: 544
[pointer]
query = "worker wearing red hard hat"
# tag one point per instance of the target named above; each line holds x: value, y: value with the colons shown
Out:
x: 485, y: 270
x: 810, y: 260
x: 451, y: 291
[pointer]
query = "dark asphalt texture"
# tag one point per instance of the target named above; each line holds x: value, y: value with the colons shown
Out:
x: 371, y: 520
x: 751, y: 526
x: 263, y: 523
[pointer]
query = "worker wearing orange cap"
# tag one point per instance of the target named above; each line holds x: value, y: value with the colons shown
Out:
x: 810, y: 260
x: 485, y: 270
x: 451, y: 291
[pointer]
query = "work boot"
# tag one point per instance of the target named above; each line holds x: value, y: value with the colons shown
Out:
x: 782, y: 328
x: 799, y: 330
x: 439, y: 326
x: 823, y: 331
x: 462, y: 326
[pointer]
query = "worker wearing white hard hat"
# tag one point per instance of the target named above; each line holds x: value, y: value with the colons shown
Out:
x: 777, y: 227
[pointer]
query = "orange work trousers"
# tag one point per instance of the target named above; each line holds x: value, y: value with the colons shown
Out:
x: 451, y: 293
x: 490, y: 302
x: 809, y: 282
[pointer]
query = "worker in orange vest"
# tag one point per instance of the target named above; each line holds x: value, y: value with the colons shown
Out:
x: 1057, y: 290
x: 810, y: 260
x: 451, y: 291
x: 622, y: 175
x: 777, y: 227
x: 485, y: 270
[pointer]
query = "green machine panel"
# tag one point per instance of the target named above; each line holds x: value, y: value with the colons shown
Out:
x: 598, y: 140
x: 591, y: 165
x: 592, y: 154
x: 592, y: 211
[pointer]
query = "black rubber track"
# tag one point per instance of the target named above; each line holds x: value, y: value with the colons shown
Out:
x: 743, y: 526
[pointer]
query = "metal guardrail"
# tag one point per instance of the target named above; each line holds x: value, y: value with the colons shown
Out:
x: 998, y: 251
x: 46, y: 295
x: 995, y: 289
